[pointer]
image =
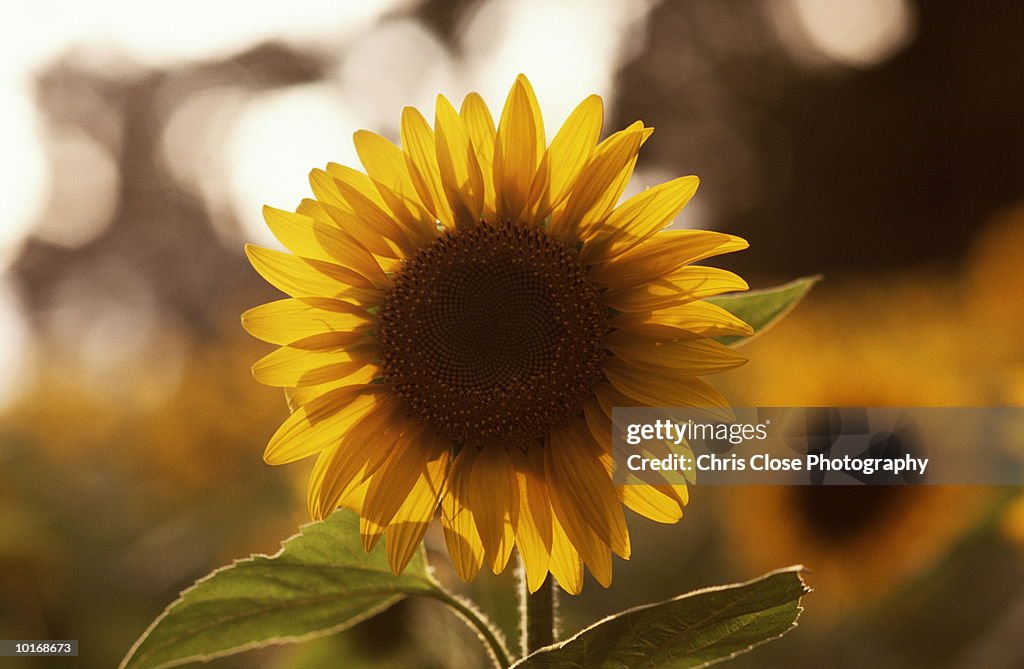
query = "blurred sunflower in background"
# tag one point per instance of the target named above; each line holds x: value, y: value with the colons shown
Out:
x: 904, y: 341
x: 860, y: 542
x: 463, y: 317
x: 993, y: 288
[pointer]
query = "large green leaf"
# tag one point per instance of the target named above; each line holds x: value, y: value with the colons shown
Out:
x: 693, y: 630
x: 321, y: 581
x: 763, y: 308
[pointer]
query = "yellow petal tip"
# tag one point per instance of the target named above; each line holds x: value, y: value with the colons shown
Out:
x: 268, y: 456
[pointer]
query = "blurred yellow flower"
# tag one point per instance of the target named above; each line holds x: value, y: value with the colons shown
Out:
x: 897, y: 342
x: 994, y: 286
x: 859, y: 542
x: 463, y: 317
x: 1011, y: 522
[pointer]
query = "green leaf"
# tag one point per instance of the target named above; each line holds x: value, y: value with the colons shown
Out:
x: 321, y: 581
x: 693, y: 630
x: 763, y: 308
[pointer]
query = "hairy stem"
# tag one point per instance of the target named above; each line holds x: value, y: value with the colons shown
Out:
x: 484, y: 629
x: 539, y: 615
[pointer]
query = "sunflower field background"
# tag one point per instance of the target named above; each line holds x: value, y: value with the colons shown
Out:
x: 878, y: 143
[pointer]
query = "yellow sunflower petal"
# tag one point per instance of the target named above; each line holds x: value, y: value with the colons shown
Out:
x: 460, y: 533
x: 320, y: 423
x: 305, y: 277
x: 385, y: 165
x: 681, y: 493
x: 326, y: 188
x: 662, y: 253
x: 693, y: 319
x: 342, y: 222
x: 372, y: 214
x: 565, y: 158
x: 290, y: 320
x: 666, y: 390
x: 355, y: 180
x: 598, y: 181
x: 533, y: 522
x: 311, y: 238
x: 692, y: 356
x: 596, y: 554
x: 566, y: 565
x: 342, y: 478
x: 651, y: 503
x: 481, y: 129
x: 517, y: 149
x: 290, y: 367
x: 583, y: 496
x: 608, y: 398
x: 352, y: 498
x: 295, y: 232
x: 604, y: 206
x: 659, y: 502
x: 297, y: 365
x: 656, y: 502
x: 460, y: 172
x: 393, y: 482
x: 421, y: 160
x: 405, y: 533
x: 640, y: 217
x: 314, y: 492
x: 686, y: 284
x: 598, y: 424
x: 301, y: 395
x: 359, y: 341
x: 493, y: 498
x: 571, y: 546
x: 539, y: 138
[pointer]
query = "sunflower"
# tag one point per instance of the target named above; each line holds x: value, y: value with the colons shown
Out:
x: 861, y: 543
x: 462, y: 318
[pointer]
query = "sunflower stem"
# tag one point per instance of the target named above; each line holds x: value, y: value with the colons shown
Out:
x: 483, y: 628
x: 539, y: 615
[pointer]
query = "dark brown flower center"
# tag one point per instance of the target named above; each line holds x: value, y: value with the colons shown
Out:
x: 493, y: 334
x: 840, y: 514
